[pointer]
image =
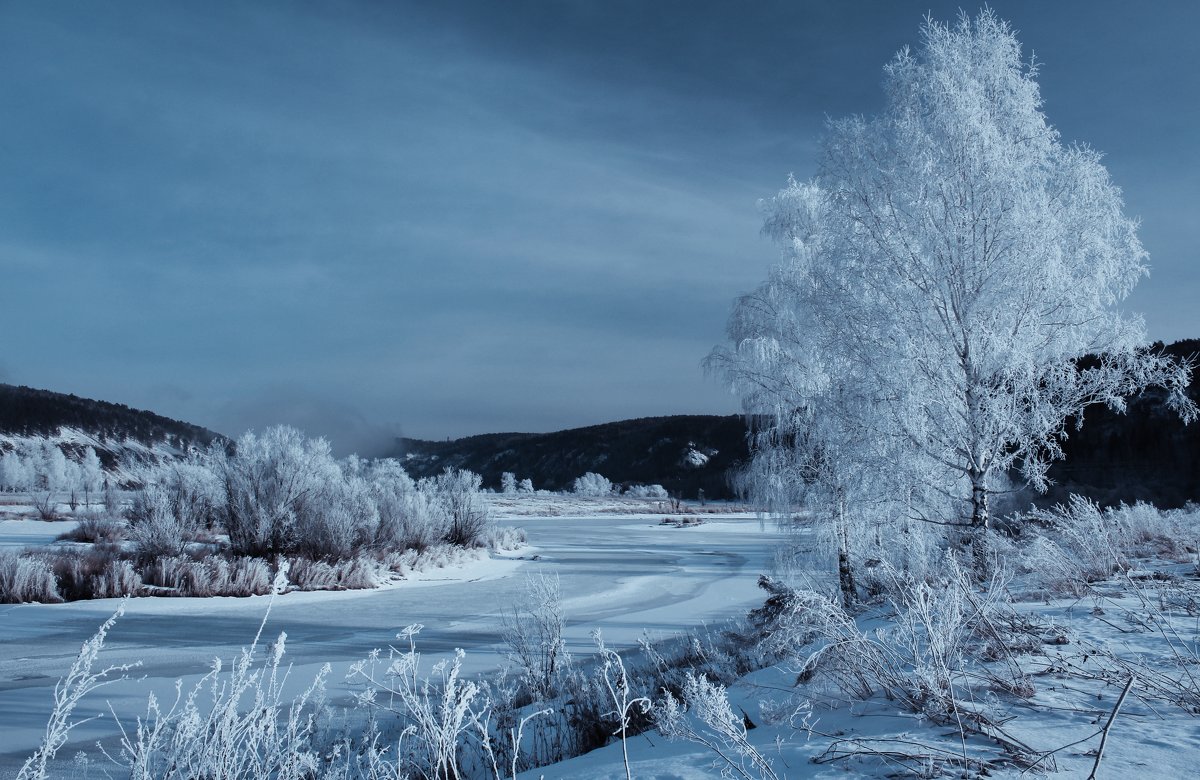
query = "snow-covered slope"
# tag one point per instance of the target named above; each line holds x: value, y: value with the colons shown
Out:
x: 122, y: 438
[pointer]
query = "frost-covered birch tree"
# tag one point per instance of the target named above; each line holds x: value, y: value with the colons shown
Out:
x: 942, y: 277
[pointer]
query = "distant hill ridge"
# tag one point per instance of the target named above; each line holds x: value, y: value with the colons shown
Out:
x: 1146, y: 454
x: 683, y: 453
x: 29, y: 412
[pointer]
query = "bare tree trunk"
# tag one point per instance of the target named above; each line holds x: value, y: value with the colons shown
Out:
x: 980, y: 526
x: 980, y: 513
x: 845, y: 568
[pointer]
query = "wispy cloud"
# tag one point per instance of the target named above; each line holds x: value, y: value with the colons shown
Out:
x: 452, y: 217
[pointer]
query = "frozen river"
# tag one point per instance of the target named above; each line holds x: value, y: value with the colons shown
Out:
x: 622, y: 575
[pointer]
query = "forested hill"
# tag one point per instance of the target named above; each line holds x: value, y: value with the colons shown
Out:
x: 683, y: 453
x: 1146, y: 454
x: 27, y: 412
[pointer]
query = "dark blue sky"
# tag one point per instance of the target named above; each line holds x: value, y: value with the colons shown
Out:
x: 452, y: 218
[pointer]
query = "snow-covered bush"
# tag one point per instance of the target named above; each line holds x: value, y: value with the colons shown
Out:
x: 533, y: 635
x: 646, y: 491
x: 458, y: 492
x: 97, y: 528
x: 411, y: 515
x: 92, y: 574
x: 928, y: 659
x: 25, y: 578
x: 705, y: 717
x: 213, y: 575
x: 193, y: 487
x: 438, y: 713
x: 391, y: 489
x: 344, y: 574
x: 525, y: 487
x: 592, y: 484
x: 338, y: 521
x: 506, y: 538
x: 508, y: 483
x: 270, y: 483
x: 154, y: 527
x: 1078, y: 542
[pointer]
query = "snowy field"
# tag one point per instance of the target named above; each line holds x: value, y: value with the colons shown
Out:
x: 633, y: 577
x: 623, y: 574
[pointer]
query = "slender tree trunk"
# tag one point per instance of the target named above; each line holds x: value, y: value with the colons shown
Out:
x: 980, y: 515
x: 845, y: 568
x: 980, y: 526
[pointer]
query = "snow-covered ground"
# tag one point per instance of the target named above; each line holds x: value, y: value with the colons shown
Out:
x: 1150, y: 737
x: 624, y: 574
x: 630, y: 575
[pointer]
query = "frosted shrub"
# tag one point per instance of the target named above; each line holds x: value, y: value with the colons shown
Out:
x: 270, y: 482
x: 438, y: 713
x: 647, y: 491
x: 153, y: 526
x: 194, y: 488
x: 26, y: 579
x: 402, y: 512
x: 533, y: 634
x: 346, y: 574
x: 1085, y: 533
x: 212, y: 575
x: 45, y: 503
x: 940, y: 628
x: 506, y: 538
x: 424, y: 521
x: 458, y: 492
x: 705, y: 717
x: 1055, y: 569
x: 1078, y: 542
x: 93, y: 574
x: 881, y: 547
x: 592, y: 484
x: 338, y: 521
x: 525, y: 487
x: 1148, y: 531
x: 508, y: 483
x: 97, y: 528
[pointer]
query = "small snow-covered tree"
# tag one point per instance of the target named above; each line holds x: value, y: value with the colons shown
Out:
x: 592, y: 484
x: 17, y: 472
x: 965, y: 262
x: 91, y: 473
x: 525, y: 486
x: 508, y: 483
x: 458, y: 492
x: 53, y: 469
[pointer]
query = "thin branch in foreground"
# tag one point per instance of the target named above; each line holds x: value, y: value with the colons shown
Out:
x: 1104, y: 731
